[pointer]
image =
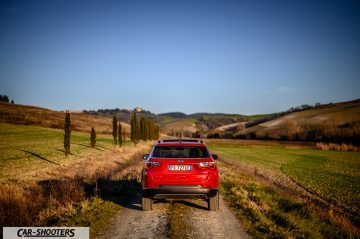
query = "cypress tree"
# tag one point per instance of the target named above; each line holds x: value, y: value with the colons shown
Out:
x: 148, y: 129
x: 124, y: 135
x: 120, y: 139
x: 151, y: 130
x: 157, y: 132
x: 134, y: 128
x: 93, y: 137
x: 142, y: 128
x: 67, y: 133
x: 4, y: 98
x: 115, y: 129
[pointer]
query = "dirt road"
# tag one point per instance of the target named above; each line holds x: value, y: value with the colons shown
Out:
x: 178, y: 219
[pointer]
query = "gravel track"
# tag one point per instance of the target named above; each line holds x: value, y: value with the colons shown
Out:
x: 176, y: 219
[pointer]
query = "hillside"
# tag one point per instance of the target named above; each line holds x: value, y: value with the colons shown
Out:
x: 334, y: 121
x: 174, y: 122
x: 30, y: 115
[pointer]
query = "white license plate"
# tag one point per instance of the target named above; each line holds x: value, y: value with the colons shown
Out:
x: 180, y: 167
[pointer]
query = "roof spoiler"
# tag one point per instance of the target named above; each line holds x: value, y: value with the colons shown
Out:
x: 180, y: 141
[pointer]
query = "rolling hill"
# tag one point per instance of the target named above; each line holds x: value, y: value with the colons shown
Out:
x: 327, y: 122
x: 320, y: 122
x: 31, y: 115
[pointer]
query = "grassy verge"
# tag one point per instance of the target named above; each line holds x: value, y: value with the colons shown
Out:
x: 269, y: 213
x: 40, y: 187
x: 94, y: 213
x: 71, y: 202
x: 334, y: 176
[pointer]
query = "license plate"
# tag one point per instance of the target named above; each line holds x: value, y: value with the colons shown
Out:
x: 180, y: 167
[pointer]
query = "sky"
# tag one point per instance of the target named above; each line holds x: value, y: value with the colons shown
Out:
x: 246, y: 57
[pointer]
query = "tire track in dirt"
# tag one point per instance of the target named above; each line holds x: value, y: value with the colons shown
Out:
x: 177, y: 219
x: 131, y: 222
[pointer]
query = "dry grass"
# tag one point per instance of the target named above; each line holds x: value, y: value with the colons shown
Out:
x: 338, y: 123
x: 180, y: 125
x: 63, y: 196
x: 30, y: 115
x: 337, y: 147
x: 261, y: 143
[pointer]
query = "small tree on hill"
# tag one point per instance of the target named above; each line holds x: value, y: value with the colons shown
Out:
x: 4, y: 98
x: 135, y: 134
x: 93, y: 137
x: 157, y: 132
x: 124, y: 135
x: 115, y: 129
x: 67, y: 133
x: 142, y: 128
x: 120, y: 139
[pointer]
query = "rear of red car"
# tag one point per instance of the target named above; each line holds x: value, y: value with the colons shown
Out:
x: 179, y: 169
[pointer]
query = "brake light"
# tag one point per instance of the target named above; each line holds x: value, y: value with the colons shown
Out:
x: 207, y: 164
x: 152, y: 164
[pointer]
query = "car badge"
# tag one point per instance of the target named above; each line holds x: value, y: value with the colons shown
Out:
x: 180, y: 161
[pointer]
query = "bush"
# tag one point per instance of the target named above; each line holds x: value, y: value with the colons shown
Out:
x: 67, y: 133
x: 337, y: 147
x: 93, y: 137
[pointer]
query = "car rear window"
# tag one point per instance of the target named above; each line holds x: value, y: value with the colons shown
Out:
x: 180, y: 152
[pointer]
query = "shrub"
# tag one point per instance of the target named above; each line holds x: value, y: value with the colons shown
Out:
x: 93, y: 137
x: 115, y: 129
x: 337, y: 147
x: 135, y: 129
x: 120, y: 135
x: 67, y: 133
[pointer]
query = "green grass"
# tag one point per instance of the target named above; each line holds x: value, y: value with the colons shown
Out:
x: 332, y: 175
x: 259, y: 116
x: 94, y: 213
x: 25, y: 149
x: 266, y: 213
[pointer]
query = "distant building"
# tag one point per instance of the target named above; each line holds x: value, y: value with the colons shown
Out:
x: 138, y: 109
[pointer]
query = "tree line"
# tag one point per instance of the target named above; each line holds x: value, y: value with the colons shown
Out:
x: 145, y: 130
x: 5, y: 98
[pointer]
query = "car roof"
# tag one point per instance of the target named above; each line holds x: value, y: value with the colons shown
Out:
x: 180, y: 142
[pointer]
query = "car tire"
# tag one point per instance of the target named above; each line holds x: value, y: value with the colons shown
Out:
x: 213, y: 202
x: 146, y: 204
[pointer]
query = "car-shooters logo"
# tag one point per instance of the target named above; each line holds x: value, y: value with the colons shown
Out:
x: 46, y: 232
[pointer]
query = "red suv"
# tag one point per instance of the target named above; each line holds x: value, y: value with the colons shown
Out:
x: 180, y: 169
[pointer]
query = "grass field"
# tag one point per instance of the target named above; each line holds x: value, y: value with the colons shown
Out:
x: 36, y: 191
x: 332, y: 175
x: 258, y: 184
x: 179, y: 125
x: 25, y: 149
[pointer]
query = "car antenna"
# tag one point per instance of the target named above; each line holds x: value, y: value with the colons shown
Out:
x: 180, y: 137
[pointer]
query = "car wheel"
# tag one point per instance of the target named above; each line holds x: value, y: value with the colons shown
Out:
x: 213, y: 202
x: 146, y: 204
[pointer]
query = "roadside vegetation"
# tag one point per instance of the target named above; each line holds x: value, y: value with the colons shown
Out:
x: 281, y: 192
x: 266, y: 212
x: 39, y: 186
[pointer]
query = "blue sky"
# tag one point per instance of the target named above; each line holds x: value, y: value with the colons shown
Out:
x: 243, y: 57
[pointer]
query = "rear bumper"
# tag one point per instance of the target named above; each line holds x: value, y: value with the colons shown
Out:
x: 178, y: 192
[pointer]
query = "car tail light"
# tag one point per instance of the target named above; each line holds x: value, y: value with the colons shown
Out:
x: 207, y: 164
x: 152, y: 164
